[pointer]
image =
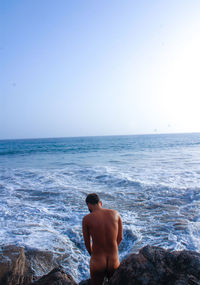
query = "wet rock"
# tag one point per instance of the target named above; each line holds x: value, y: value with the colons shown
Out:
x: 157, y: 266
x: 40, y: 262
x: 14, y: 268
x: 20, y: 266
x: 56, y: 277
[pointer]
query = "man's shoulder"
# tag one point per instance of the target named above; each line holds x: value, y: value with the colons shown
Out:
x: 113, y: 212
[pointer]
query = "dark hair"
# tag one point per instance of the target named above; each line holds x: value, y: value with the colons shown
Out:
x: 92, y: 198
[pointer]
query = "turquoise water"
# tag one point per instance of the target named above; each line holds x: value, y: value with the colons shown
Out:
x: 152, y: 180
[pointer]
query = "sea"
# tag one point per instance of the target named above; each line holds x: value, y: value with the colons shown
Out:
x: 153, y: 181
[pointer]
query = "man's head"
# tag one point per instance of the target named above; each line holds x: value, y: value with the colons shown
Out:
x: 93, y: 201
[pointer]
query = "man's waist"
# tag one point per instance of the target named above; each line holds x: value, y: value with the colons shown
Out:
x: 103, y: 250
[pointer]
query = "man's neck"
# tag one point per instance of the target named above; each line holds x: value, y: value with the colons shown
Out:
x: 96, y: 208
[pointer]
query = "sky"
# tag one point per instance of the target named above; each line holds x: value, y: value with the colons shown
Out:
x: 99, y: 67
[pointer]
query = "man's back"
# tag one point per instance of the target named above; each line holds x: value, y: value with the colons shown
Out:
x: 103, y: 227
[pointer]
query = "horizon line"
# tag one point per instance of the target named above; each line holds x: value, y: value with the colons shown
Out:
x: 90, y: 136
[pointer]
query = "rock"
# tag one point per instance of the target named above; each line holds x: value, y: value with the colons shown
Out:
x: 40, y: 262
x: 56, y: 277
x: 14, y: 268
x: 20, y: 266
x: 157, y: 266
x: 151, y: 266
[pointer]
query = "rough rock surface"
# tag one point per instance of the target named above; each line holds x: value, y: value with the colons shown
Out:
x: 13, y: 266
x: 18, y: 266
x: 56, y: 277
x: 156, y: 266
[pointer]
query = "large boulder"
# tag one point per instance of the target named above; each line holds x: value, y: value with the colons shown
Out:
x: 157, y: 266
x: 14, y: 268
x: 56, y: 277
x: 20, y: 266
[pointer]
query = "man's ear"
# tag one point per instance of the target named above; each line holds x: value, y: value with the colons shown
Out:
x: 100, y: 202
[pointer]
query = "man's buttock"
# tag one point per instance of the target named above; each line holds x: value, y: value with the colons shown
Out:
x: 104, y: 263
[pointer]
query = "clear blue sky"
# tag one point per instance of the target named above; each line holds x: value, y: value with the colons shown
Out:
x: 79, y: 67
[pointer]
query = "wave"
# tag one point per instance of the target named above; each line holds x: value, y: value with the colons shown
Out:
x: 105, y: 176
x: 117, y: 181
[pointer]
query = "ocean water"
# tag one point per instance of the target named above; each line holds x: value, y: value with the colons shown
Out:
x: 152, y: 180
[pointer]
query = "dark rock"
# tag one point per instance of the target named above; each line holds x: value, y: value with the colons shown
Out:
x: 157, y: 266
x: 56, y: 277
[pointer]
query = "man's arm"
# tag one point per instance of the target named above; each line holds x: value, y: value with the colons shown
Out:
x: 120, y: 231
x: 86, y: 236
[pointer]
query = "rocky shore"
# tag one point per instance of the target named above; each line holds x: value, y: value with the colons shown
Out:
x: 151, y: 266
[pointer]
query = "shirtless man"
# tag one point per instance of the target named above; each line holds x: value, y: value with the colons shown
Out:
x: 102, y: 232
